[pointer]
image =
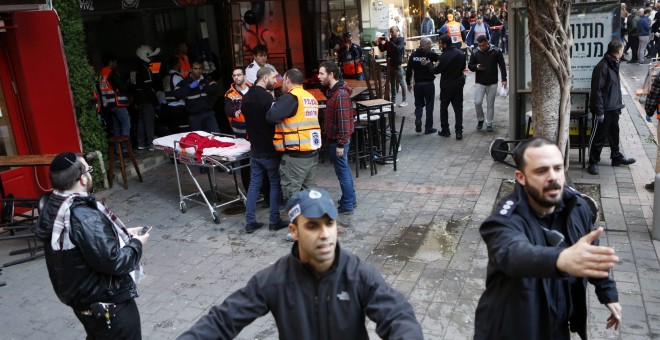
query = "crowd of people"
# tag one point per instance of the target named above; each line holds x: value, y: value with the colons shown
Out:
x: 640, y: 31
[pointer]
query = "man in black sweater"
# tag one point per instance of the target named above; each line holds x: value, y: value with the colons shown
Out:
x: 485, y: 60
x: 265, y: 160
x: 424, y: 88
x: 451, y: 64
x: 394, y: 46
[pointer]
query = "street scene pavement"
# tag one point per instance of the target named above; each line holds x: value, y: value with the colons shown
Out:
x: 418, y: 226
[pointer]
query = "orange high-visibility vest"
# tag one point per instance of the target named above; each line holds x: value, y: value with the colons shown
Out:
x: 237, y: 123
x: 109, y: 96
x: 301, y: 132
x: 454, y: 31
x: 185, y: 65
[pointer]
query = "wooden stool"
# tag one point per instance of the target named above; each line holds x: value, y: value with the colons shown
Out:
x: 114, y: 145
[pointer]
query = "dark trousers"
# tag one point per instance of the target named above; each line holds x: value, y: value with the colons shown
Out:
x: 424, y: 97
x: 124, y: 325
x: 204, y: 121
x: 633, y: 44
x: 453, y: 95
x: 246, y: 176
x: 607, y: 129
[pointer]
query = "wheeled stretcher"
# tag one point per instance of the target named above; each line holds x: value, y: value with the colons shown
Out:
x: 227, y: 159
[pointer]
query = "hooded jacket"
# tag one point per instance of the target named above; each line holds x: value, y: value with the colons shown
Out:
x: 306, y: 306
x: 492, y: 59
x: 516, y: 302
x: 97, y: 269
x: 606, y: 87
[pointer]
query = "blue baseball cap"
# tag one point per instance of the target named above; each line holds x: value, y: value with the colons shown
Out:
x: 311, y: 203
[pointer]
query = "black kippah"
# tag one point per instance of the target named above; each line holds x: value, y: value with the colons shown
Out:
x: 63, y: 161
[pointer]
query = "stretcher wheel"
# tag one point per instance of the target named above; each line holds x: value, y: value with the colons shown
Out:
x: 216, y: 219
x: 182, y: 205
x: 499, y: 149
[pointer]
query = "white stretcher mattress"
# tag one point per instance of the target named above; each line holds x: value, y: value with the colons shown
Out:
x: 240, y: 147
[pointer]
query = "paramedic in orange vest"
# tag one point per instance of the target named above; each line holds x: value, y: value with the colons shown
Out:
x: 297, y: 134
x: 182, y: 54
x: 349, y: 56
x: 233, y: 100
x: 453, y: 29
x: 114, y: 99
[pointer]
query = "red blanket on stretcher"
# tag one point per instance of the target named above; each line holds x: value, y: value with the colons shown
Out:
x: 202, y: 142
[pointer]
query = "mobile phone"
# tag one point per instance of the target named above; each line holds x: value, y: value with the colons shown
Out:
x: 144, y: 230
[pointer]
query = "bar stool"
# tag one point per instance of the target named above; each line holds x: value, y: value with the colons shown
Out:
x: 115, y: 145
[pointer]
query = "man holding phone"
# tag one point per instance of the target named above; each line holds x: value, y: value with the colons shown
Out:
x: 485, y: 60
x: 92, y: 258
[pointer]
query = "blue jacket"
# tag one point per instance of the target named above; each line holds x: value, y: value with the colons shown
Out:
x: 644, y: 26
x: 470, y: 40
x: 521, y: 267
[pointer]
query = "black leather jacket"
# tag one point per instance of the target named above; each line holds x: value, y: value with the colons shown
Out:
x: 606, y: 87
x: 96, y: 270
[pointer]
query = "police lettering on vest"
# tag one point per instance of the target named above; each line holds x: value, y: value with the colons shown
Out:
x: 301, y: 132
x: 110, y: 97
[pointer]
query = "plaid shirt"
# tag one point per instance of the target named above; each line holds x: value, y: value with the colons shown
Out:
x: 652, y: 99
x: 338, y: 122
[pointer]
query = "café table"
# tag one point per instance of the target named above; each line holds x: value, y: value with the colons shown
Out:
x: 379, y: 152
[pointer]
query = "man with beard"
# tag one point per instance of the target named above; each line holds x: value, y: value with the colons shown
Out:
x: 338, y: 127
x: 542, y: 250
x: 318, y: 291
x: 265, y: 160
x: 91, y: 257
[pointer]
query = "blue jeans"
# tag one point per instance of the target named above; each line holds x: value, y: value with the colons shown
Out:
x: 121, y: 123
x: 343, y: 171
x: 424, y: 96
x: 260, y: 167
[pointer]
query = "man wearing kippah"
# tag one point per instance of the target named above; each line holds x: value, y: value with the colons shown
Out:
x: 92, y: 258
x: 318, y: 291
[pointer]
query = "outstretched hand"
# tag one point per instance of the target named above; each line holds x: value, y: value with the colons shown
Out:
x: 615, y: 317
x: 586, y: 260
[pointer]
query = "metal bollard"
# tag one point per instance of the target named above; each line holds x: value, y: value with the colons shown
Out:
x: 655, y: 234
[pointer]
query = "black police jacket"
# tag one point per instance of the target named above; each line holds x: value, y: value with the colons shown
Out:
x: 97, y: 269
x: 422, y: 73
x: 515, y: 304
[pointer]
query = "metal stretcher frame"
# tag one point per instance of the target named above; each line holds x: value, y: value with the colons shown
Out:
x: 229, y: 165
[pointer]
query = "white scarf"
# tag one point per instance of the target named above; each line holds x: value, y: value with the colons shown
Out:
x: 62, y: 225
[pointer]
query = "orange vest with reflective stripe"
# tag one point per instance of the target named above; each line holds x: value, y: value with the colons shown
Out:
x: 301, y: 132
x: 454, y: 31
x: 185, y: 65
x: 237, y: 123
x: 109, y: 96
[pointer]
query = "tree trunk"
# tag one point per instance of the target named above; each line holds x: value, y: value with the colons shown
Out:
x: 550, y: 44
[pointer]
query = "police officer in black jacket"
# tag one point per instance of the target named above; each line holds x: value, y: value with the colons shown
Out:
x: 451, y: 64
x: 424, y: 89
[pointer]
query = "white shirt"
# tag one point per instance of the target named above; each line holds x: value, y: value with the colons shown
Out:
x: 253, y: 68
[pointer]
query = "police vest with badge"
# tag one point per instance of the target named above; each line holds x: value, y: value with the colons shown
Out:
x: 302, y: 131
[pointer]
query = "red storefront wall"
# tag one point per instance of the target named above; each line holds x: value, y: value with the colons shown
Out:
x: 41, y: 109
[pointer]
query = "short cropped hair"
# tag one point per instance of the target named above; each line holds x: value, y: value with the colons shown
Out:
x: 263, y: 72
x: 331, y: 67
x: 614, y: 46
x: 172, y: 62
x: 425, y: 41
x: 519, y: 151
x: 260, y: 49
x: 446, y: 39
x: 295, y: 76
x: 239, y: 68
x: 65, y: 179
x: 482, y: 38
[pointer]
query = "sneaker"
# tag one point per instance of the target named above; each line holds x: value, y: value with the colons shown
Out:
x: 141, y: 147
x: 260, y: 198
x: 623, y: 161
x: 459, y: 135
x: 428, y: 132
x: 593, y: 169
x: 648, y: 119
x: 403, y: 104
x: 650, y: 187
x: 289, y: 237
x: 643, y: 63
x: 354, y: 203
x: 344, y: 211
x: 444, y: 134
x: 489, y: 128
x: 151, y: 147
x: 252, y: 227
x: 418, y: 128
x: 279, y: 225
x: 480, y: 125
